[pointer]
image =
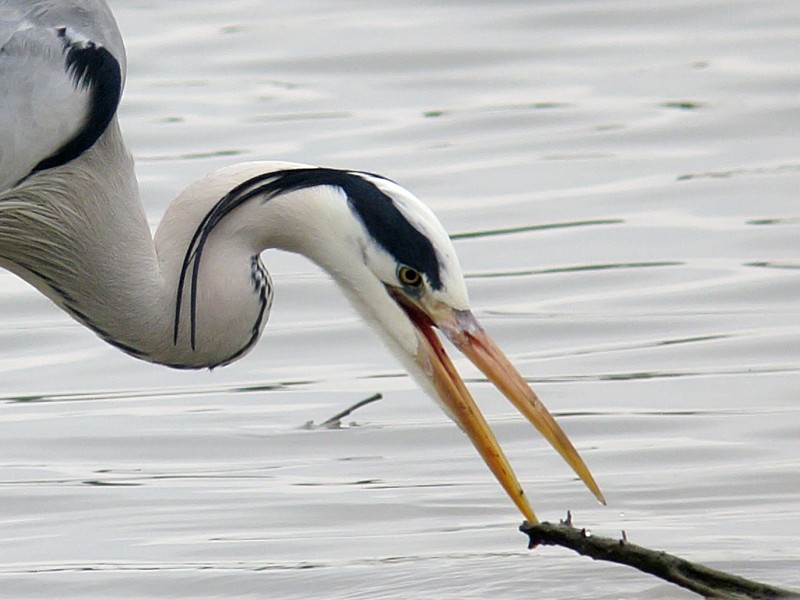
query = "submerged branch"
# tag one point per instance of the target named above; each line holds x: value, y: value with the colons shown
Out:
x: 335, y: 422
x: 700, y: 579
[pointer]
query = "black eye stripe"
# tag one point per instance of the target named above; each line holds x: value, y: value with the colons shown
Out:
x: 390, y: 229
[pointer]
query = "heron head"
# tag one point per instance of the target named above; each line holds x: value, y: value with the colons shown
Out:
x: 407, y: 249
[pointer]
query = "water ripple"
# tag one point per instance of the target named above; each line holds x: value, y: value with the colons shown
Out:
x: 538, y: 227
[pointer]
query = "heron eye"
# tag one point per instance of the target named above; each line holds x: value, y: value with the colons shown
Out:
x: 409, y: 277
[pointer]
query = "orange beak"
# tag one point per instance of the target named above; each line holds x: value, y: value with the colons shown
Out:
x: 464, y: 331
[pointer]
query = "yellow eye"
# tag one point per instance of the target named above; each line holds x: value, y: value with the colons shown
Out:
x: 409, y: 277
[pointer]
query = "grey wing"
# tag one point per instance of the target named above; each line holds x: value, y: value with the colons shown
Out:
x: 62, y: 67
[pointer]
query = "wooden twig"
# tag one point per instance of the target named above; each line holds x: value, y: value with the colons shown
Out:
x: 335, y: 422
x: 700, y: 579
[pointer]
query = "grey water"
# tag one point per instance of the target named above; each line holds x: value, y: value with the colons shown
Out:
x: 622, y: 180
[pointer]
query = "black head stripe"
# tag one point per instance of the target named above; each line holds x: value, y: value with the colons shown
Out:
x: 387, y: 225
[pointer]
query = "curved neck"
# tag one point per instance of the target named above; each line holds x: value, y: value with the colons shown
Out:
x: 79, y: 234
x: 209, y: 243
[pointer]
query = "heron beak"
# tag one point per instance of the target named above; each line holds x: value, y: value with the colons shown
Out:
x: 464, y: 331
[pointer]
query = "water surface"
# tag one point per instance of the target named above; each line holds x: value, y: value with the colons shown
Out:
x: 623, y: 183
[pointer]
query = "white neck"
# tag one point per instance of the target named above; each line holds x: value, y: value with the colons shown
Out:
x: 85, y: 243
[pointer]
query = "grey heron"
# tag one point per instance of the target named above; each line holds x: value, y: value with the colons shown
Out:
x: 196, y: 294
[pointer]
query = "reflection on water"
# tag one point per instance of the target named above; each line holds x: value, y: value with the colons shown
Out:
x: 623, y: 191
x: 537, y: 227
x: 572, y: 269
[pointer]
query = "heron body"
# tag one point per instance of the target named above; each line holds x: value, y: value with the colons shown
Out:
x: 197, y: 294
